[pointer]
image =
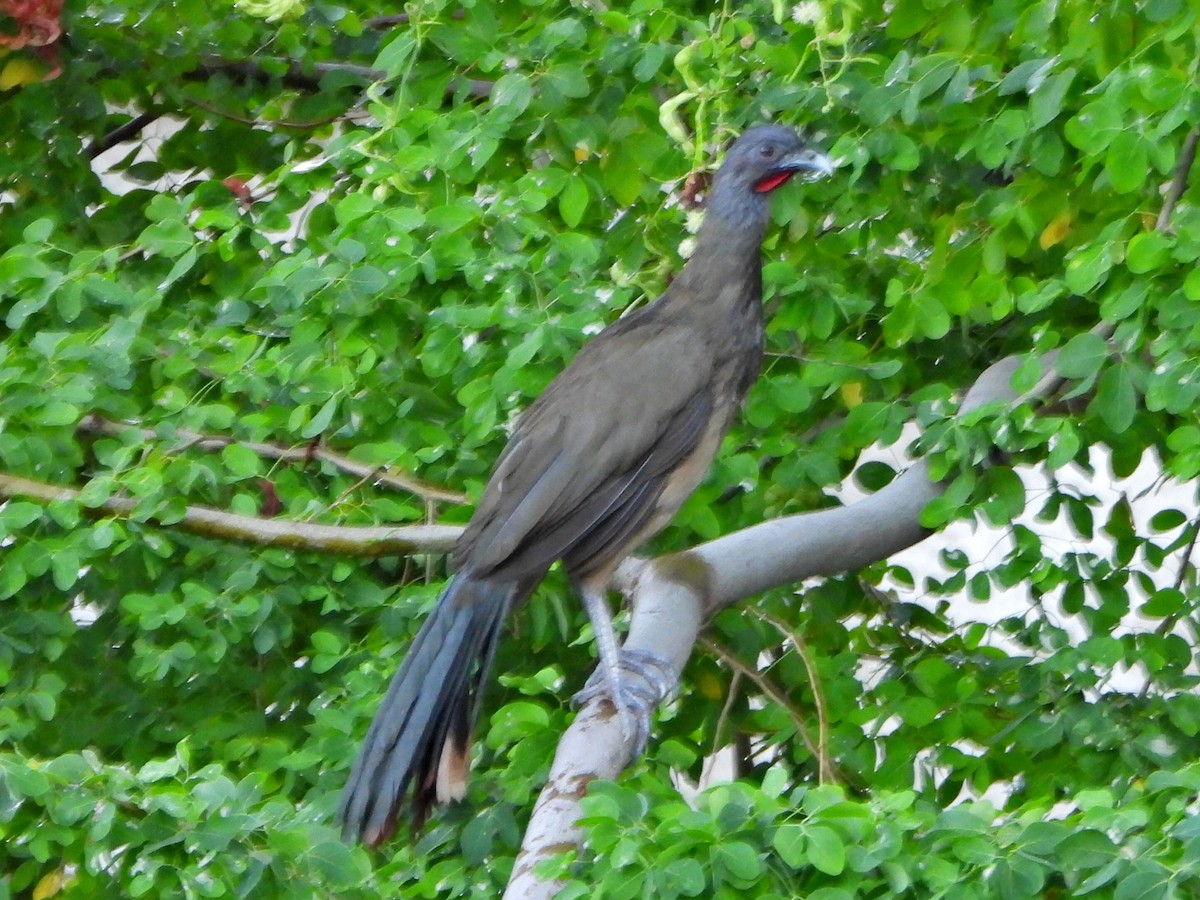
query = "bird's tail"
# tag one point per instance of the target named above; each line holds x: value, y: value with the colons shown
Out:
x: 421, y: 735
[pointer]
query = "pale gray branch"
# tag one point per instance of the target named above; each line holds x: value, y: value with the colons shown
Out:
x: 672, y: 596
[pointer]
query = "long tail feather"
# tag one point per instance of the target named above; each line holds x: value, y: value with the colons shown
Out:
x: 420, y: 737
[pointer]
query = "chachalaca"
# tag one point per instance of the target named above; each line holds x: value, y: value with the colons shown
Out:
x: 600, y: 462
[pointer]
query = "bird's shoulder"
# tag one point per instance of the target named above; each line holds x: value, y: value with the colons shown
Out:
x: 650, y: 354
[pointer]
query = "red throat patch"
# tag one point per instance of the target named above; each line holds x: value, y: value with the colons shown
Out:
x: 772, y: 181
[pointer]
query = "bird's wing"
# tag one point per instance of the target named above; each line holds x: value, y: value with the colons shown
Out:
x: 589, y: 459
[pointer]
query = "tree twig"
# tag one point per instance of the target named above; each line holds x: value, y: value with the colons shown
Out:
x: 293, y: 74
x: 826, y: 772
x: 121, y: 133
x: 354, y: 541
x: 390, y: 478
x: 383, y: 23
x: 307, y: 76
x: 1168, y: 623
x: 1187, y: 156
x: 772, y: 693
x: 722, y: 718
x: 264, y: 123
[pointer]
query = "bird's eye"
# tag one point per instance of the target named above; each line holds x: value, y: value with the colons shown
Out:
x: 767, y: 151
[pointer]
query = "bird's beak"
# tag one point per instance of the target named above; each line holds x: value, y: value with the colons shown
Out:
x: 809, y: 164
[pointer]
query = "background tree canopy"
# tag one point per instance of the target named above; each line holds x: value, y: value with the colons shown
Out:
x: 250, y: 253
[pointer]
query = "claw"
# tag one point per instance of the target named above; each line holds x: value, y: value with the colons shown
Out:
x: 635, y: 686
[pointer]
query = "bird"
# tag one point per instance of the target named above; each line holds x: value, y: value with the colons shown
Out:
x: 597, y: 464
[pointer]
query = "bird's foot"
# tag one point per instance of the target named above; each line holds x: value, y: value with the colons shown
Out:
x: 635, y: 686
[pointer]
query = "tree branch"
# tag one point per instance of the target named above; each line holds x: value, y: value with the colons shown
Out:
x: 673, y: 595
x: 1187, y: 156
x: 293, y: 74
x: 307, y: 76
x: 383, y: 23
x: 121, y: 133
x: 826, y: 772
x: 364, y: 541
x: 430, y: 493
x: 769, y: 690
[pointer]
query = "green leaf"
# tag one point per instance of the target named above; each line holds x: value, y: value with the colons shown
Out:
x: 159, y: 769
x: 338, y: 863
x: 1082, y: 357
x: 1116, y: 399
x: 396, y: 53
x: 1098, y: 798
x: 1088, y: 268
x: 1144, y: 885
x: 1167, y: 520
x: 567, y: 80
x: 57, y: 413
x: 65, y: 567
x: 1096, y: 125
x: 1127, y: 163
x: 20, y: 311
x: 1026, y: 76
x: 789, y: 842
x: 18, y: 514
x: 515, y: 721
x: 170, y: 238
x: 685, y: 875
x: 826, y: 850
x: 1102, y: 876
x: 241, y: 461
x: 573, y: 200
x: 874, y: 475
x: 511, y: 95
x: 1146, y: 252
x: 320, y: 422
x: 38, y: 231
x: 23, y: 780
x: 1046, y: 102
x: 741, y: 862
x: 327, y: 642
x: 1164, y: 602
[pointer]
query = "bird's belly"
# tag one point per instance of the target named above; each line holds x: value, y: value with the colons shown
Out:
x: 684, y: 480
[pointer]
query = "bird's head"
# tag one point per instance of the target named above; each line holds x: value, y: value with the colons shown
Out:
x: 766, y: 156
x: 762, y: 159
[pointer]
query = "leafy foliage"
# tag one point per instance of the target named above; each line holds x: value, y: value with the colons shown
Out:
x: 386, y: 235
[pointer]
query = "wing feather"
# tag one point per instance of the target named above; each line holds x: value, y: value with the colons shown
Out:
x: 589, y: 459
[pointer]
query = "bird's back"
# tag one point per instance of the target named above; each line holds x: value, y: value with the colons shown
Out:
x: 610, y: 450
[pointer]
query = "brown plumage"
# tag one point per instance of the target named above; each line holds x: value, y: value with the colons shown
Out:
x: 598, y: 463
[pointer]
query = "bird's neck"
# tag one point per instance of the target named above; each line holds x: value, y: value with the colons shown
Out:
x: 735, y: 221
x: 723, y: 277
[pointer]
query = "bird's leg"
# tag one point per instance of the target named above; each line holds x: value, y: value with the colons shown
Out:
x: 636, y: 681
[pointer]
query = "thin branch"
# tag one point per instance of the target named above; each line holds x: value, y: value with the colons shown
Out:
x: 383, y: 23
x: 307, y: 76
x: 772, y: 693
x: 1187, y: 156
x: 95, y: 424
x: 476, y: 88
x: 1187, y: 555
x: 294, y: 74
x: 121, y: 133
x: 723, y: 717
x: 826, y: 771
x: 265, y: 123
x: 360, y: 541
x: 1169, y: 622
